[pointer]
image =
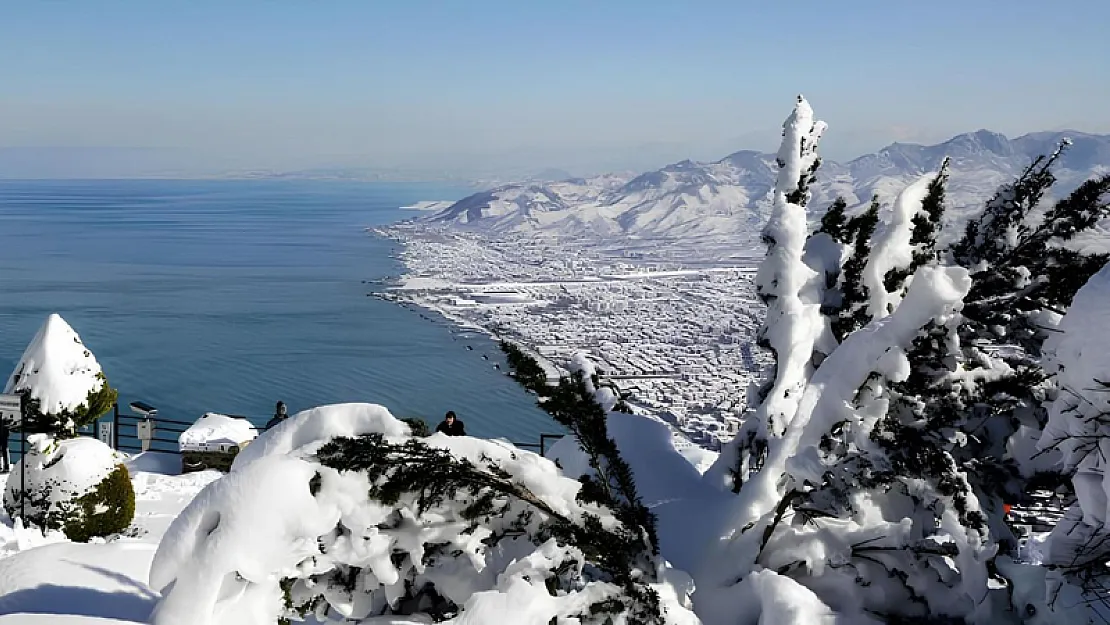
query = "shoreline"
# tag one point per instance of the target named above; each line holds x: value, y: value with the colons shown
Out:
x: 675, y: 337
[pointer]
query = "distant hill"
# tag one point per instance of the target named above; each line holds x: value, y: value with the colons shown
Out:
x: 732, y: 195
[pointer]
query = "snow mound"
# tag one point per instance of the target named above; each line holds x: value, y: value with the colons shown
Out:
x: 16, y: 537
x: 306, y: 431
x: 281, y: 514
x: 56, y: 369
x: 215, y: 431
x: 77, y: 583
x: 62, y: 470
x: 1080, y: 353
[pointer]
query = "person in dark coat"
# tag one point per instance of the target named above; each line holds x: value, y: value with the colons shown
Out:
x: 5, y: 459
x: 451, y: 425
x: 279, y: 415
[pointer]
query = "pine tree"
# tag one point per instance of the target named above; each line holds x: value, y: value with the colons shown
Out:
x: 400, y: 470
x: 573, y: 404
x: 849, y: 308
x: 794, y: 329
x: 891, y: 470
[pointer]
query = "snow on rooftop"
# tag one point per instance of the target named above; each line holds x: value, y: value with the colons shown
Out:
x: 57, y: 368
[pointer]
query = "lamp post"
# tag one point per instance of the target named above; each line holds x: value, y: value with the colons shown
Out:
x: 12, y: 410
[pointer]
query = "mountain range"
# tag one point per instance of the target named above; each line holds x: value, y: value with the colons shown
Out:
x: 733, y: 195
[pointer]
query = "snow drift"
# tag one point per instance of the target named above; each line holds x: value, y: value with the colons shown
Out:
x: 282, y: 514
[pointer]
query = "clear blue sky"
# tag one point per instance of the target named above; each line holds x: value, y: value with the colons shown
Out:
x: 457, y: 84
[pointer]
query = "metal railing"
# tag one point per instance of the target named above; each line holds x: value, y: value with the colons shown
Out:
x: 124, y: 433
x: 542, y: 445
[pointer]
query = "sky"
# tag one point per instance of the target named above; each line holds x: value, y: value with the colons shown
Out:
x: 486, y: 87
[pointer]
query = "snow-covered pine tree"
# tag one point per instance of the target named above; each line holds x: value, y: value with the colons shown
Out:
x: 879, y: 499
x: 848, y: 307
x: 1026, y: 271
x: 794, y: 328
x: 341, y: 515
x: 1078, y: 548
x: 581, y: 405
x: 64, y: 386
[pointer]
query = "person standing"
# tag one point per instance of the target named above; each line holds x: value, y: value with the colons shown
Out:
x: 279, y: 415
x: 5, y: 458
x: 451, y: 425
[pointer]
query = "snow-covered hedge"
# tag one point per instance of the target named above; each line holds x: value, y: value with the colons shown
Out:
x: 78, y: 485
x: 63, y: 382
x: 339, y: 513
x: 217, y: 432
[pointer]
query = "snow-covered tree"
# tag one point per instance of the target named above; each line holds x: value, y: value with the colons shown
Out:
x: 338, y: 513
x: 77, y: 485
x: 793, y: 290
x: 64, y: 385
x: 880, y: 496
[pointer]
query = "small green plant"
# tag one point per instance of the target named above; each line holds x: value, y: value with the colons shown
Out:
x: 107, y: 509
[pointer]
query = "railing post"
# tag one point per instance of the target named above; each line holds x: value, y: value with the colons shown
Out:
x: 115, y: 425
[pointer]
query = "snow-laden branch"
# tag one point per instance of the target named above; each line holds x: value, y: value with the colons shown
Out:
x: 793, y: 324
x: 826, y: 400
x: 892, y: 248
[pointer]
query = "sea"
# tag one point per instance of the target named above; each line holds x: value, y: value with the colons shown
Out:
x: 229, y: 295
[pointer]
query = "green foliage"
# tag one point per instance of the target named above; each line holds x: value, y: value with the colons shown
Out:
x: 418, y: 426
x: 525, y: 368
x: 926, y: 226
x: 573, y: 406
x: 434, y: 477
x: 105, y: 510
x: 850, y: 310
x: 834, y: 222
x: 64, y: 424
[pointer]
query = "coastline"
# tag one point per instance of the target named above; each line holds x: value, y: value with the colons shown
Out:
x: 405, y: 289
x: 676, y: 336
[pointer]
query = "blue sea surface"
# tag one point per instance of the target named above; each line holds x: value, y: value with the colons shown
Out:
x: 227, y: 296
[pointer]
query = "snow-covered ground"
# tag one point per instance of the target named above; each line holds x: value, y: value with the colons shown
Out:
x: 672, y: 323
x: 47, y: 579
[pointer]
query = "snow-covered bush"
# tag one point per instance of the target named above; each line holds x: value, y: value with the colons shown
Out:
x: 64, y: 384
x: 77, y: 485
x: 872, y: 469
x: 1079, y: 427
x: 339, y: 513
x: 214, y: 432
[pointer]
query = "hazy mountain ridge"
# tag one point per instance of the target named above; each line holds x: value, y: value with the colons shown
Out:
x: 732, y: 195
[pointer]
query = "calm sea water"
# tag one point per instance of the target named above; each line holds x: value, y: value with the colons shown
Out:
x: 227, y: 296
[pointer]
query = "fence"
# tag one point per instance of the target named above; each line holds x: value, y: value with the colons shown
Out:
x: 123, y: 433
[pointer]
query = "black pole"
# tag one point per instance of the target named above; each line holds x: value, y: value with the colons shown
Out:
x: 115, y: 426
x: 23, y: 458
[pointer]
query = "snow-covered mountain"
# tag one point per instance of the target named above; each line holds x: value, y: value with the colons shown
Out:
x: 732, y: 195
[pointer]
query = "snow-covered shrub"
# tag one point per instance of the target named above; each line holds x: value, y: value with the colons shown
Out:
x: 873, y: 467
x: 417, y: 426
x: 339, y: 513
x: 1079, y: 427
x: 62, y: 381
x: 77, y: 485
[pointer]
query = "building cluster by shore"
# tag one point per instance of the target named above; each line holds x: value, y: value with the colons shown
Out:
x: 674, y: 332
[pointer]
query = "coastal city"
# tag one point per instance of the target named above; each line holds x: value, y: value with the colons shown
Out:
x: 677, y: 337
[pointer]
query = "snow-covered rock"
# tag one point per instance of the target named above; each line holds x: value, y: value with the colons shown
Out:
x: 57, y: 370
x: 214, y: 432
